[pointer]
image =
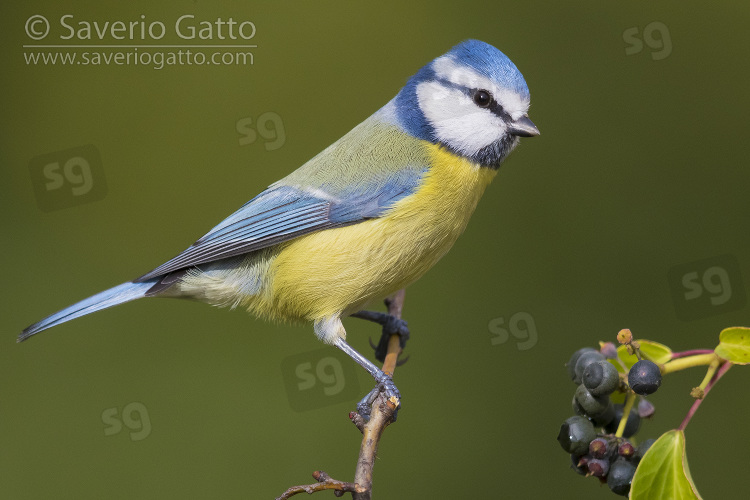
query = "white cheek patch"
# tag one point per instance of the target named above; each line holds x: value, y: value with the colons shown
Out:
x: 456, y: 120
x: 446, y: 68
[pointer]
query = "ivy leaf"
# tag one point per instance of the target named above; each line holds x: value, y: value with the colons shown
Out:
x: 734, y: 345
x: 663, y: 472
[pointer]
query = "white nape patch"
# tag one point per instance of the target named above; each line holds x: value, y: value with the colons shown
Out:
x: 456, y: 120
x: 447, y: 68
x: 388, y: 113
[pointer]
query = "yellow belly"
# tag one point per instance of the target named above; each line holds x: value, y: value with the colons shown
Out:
x: 337, y: 271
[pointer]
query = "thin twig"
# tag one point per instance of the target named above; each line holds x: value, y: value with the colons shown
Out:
x: 325, y: 482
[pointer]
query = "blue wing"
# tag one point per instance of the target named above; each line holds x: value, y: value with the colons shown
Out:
x: 284, y: 212
x: 359, y: 177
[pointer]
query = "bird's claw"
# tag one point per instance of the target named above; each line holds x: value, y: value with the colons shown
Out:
x: 397, y: 326
x: 399, y: 362
x: 391, y: 326
x: 388, y: 388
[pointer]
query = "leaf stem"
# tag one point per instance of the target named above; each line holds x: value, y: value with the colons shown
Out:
x: 629, y: 400
x: 719, y: 373
x: 709, y: 374
x: 691, y: 352
x: 688, y: 362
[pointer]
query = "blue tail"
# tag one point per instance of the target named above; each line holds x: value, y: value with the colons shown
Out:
x: 108, y: 298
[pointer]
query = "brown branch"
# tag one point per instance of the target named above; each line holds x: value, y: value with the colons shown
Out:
x: 383, y: 411
x: 395, y: 306
x: 325, y: 482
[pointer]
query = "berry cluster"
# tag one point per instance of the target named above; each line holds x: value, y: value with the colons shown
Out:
x: 597, y: 437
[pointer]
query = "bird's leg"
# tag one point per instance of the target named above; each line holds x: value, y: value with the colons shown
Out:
x: 391, y: 326
x: 384, y: 381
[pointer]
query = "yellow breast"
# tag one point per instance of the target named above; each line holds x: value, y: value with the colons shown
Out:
x: 337, y: 271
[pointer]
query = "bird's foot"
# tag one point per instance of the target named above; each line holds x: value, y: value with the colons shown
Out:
x: 391, y: 326
x: 386, y: 386
x: 382, y: 379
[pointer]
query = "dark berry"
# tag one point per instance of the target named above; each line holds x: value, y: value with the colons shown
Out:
x: 584, y: 360
x: 626, y: 449
x: 601, y: 378
x: 620, y: 476
x: 609, y: 350
x: 591, y: 405
x: 645, y: 409
x: 599, y: 420
x: 571, y: 364
x: 577, y: 408
x: 642, y: 449
x: 632, y: 425
x: 598, y: 448
x: 605, y: 418
x: 578, y: 464
x: 575, y: 435
x: 598, y: 467
x: 644, y: 377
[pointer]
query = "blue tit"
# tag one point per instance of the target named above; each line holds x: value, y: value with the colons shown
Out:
x: 364, y: 218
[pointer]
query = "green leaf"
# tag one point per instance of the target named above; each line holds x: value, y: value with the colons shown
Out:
x: 656, y: 352
x: 663, y: 471
x: 734, y: 345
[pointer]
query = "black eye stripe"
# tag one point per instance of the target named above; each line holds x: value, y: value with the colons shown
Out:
x: 494, y: 106
x: 485, y: 99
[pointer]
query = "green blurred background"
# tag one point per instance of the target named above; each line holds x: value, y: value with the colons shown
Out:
x: 634, y: 195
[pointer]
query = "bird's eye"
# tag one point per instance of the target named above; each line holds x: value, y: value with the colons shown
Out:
x: 482, y: 98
